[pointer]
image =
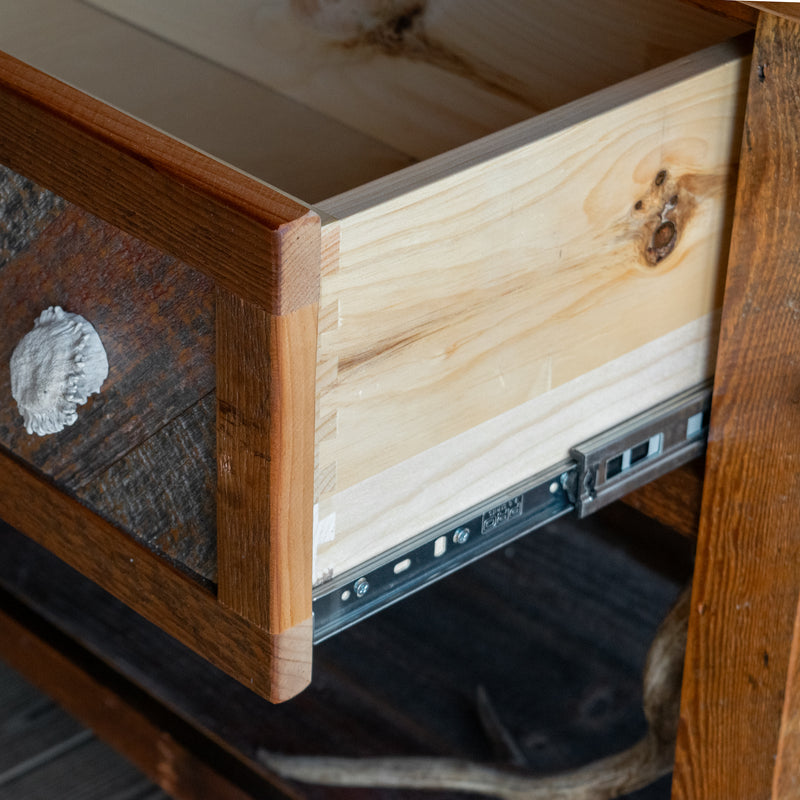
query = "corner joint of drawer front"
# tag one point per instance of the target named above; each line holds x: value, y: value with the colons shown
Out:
x: 298, y: 246
x: 290, y: 665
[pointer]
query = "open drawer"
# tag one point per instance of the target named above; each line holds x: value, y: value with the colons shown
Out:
x: 510, y: 236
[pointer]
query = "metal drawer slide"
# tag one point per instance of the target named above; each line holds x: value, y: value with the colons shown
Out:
x: 601, y: 470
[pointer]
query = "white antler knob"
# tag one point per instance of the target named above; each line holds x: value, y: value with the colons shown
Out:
x: 55, y: 368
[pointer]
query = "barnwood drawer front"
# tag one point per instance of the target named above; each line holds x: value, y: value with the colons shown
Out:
x: 511, y: 236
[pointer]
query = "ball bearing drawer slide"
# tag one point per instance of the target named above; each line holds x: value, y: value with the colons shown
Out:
x: 600, y: 471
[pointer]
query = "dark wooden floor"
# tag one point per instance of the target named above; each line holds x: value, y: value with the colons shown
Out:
x: 45, y: 754
x: 554, y: 628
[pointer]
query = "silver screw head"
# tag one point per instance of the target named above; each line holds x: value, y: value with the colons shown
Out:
x: 361, y: 587
x: 461, y: 535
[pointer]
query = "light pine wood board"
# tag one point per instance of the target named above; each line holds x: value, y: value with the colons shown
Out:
x: 476, y: 282
x: 424, y: 77
x: 255, y: 129
x: 389, y: 508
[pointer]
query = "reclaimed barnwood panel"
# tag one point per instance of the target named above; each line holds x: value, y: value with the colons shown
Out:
x: 163, y: 491
x: 26, y: 209
x: 240, y: 232
x: 275, y: 666
x: 747, y: 576
x: 404, y: 682
x: 155, y: 317
x: 92, y: 693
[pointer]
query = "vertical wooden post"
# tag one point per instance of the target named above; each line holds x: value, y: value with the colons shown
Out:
x: 747, y: 577
x: 266, y: 388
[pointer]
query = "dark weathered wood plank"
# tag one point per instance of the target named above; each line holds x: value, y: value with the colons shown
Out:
x: 266, y: 372
x: 97, y: 697
x: 556, y: 628
x: 275, y: 666
x: 748, y: 558
x: 87, y: 771
x: 242, y: 233
x: 674, y: 499
x: 163, y: 491
x: 729, y: 8
x: 29, y: 724
x: 154, y: 315
x: 26, y: 209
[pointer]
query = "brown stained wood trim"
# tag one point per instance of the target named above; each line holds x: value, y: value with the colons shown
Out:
x: 730, y: 9
x: 275, y: 666
x: 266, y: 373
x: 244, y: 234
x: 747, y: 576
x: 787, y: 10
x: 674, y: 499
x: 115, y: 720
x: 787, y: 769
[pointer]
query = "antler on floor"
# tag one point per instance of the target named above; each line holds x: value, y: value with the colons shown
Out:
x: 625, y: 772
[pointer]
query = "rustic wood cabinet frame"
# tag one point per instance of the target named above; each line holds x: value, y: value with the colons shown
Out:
x: 262, y: 250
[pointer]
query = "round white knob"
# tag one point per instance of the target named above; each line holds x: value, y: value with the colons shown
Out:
x: 55, y: 368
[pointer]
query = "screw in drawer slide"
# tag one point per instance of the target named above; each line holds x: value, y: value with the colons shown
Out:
x: 601, y: 470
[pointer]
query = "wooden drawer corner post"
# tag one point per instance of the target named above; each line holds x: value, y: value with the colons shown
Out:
x: 266, y: 363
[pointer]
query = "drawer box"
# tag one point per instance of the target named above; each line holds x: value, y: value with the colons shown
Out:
x: 509, y: 237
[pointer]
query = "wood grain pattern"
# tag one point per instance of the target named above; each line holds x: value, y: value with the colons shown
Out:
x: 728, y: 8
x: 275, y: 666
x: 120, y: 723
x: 786, y: 785
x: 163, y: 491
x: 265, y: 461
x: 780, y: 9
x: 404, y: 681
x: 526, y: 247
x: 243, y: 234
x: 155, y: 317
x: 390, y: 507
x: 674, y: 499
x: 747, y: 577
x: 27, y: 209
x: 425, y: 77
x: 29, y: 725
x: 218, y: 111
